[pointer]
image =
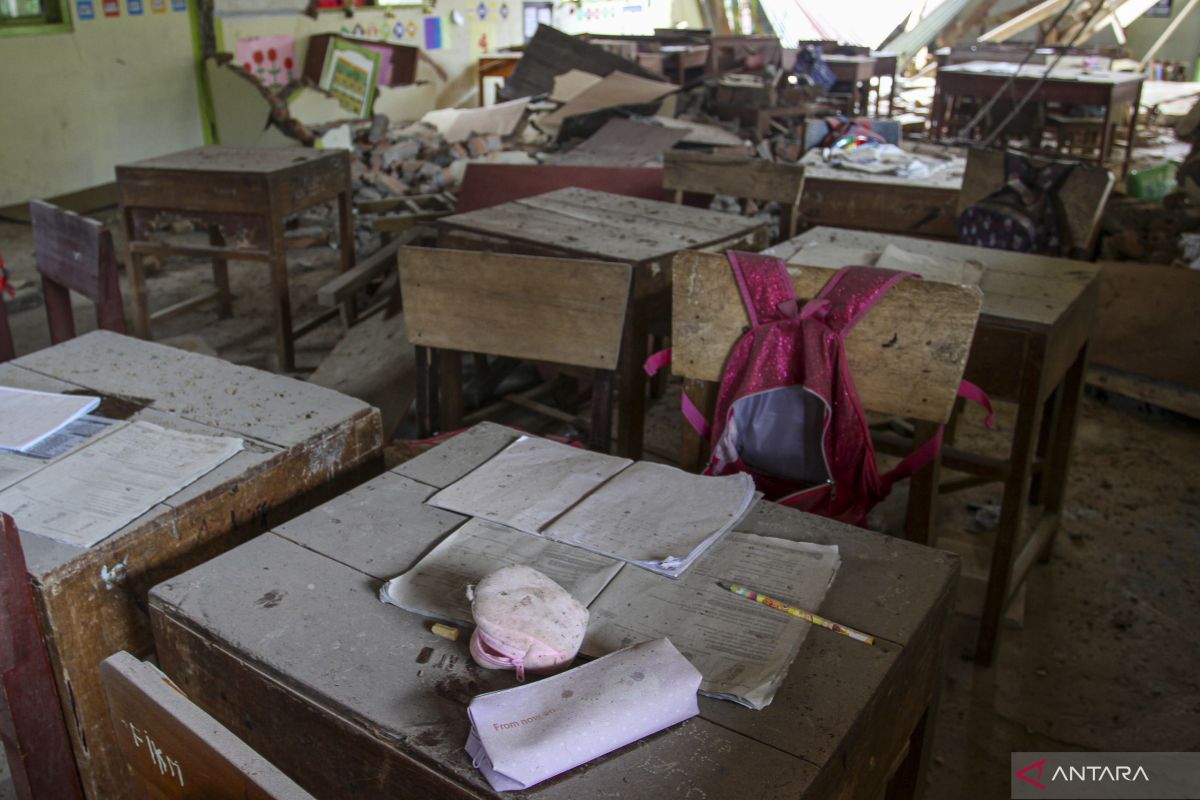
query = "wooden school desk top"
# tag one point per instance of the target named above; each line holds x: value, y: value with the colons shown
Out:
x: 592, y: 224
x: 1017, y: 287
x: 297, y: 437
x: 285, y: 641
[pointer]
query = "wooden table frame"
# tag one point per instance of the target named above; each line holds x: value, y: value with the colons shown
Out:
x: 858, y: 71
x: 236, y: 192
x: 384, y: 700
x: 956, y: 81
x: 1036, y: 360
x: 885, y: 67
x: 92, y: 603
x: 651, y: 292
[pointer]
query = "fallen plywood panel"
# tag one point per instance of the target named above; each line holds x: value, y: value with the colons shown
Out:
x: 374, y: 362
x: 700, y: 133
x: 457, y: 124
x: 624, y: 143
x: 241, y: 113
x: 314, y: 107
x: 487, y: 185
x: 550, y: 51
x: 571, y: 84
x: 1147, y: 323
x: 617, y: 89
x: 407, y: 103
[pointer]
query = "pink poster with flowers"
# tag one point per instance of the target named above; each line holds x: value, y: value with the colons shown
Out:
x: 271, y: 59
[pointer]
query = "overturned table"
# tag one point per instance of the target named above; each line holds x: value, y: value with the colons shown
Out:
x: 92, y: 602
x: 286, y: 642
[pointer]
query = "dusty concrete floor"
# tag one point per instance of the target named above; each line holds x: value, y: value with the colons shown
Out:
x: 1108, y: 655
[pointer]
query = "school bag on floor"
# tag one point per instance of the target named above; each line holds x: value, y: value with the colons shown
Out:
x: 1022, y: 215
x: 787, y: 411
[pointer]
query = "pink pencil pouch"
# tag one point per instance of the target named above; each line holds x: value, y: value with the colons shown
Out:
x: 525, y: 621
x: 522, y: 736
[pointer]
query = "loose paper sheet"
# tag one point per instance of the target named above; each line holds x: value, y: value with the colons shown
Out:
x: 742, y: 649
x: 95, y: 491
x: 528, y: 483
x: 28, y: 417
x: 436, y: 586
x: 18, y: 466
x: 655, y: 516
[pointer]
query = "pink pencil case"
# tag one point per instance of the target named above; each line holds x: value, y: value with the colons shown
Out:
x: 522, y: 736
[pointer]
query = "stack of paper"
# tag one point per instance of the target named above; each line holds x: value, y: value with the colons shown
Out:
x: 27, y: 418
x: 660, y: 518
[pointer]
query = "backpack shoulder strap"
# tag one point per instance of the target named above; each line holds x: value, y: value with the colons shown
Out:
x: 764, y: 284
x: 853, y: 291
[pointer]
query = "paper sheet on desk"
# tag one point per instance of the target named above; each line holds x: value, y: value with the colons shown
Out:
x: 16, y: 467
x: 742, y: 649
x: 436, y: 585
x: 520, y: 737
x: 657, y: 517
x: 96, y: 490
x: 932, y: 268
x: 28, y: 417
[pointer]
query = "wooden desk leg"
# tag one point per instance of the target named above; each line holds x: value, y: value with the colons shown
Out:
x: 1137, y: 102
x: 284, y: 342
x: 220, y: 268
x: 920, y: 519
x: 36, y: 742
x: 347, y: 243
x: 424, y: 400
x: 451, y: 390
x: 935, y: 115
x: 1106, y: 134
x: 693, y: 450
x: 892, y: 96
x: 1012, y: 509
x: 1046, y: 435
x: 1058, y: 459
x: 631, y: 413
x: 137, y: 281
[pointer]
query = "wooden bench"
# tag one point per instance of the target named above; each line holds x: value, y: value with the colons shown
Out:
x: 562, y: 311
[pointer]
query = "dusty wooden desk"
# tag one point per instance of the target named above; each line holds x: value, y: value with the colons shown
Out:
x: 1030, y: 348
x: 1113, y: 90
x: 858, y: 72
x: 243, y: 195
x: 298, y: 437
x: 918, y: 206
x: 286, y: 642
x: 583, y: 223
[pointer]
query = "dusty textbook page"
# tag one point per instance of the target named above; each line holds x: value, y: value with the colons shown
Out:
x: 657, y: 517
x: 528, y: 483
x: 98, y: 489
x: 436, y: 586
x: 27, y: 417
x: 742, y: 649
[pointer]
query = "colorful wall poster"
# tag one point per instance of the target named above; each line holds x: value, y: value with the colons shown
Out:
x: 85, y: 10
x: 179, y: 5
x: 433, y: 33
x: 350, y: 74
x: 135, y: 7
x: 271, y: 59
x: 112, y: 8
x: 483, y: 37
x: 158, y: 6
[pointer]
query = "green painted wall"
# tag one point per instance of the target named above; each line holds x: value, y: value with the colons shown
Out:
x: 1184, y: 44
x: 75, y: 104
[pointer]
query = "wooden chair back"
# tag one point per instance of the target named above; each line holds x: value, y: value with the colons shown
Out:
x: 75, y: 253
x: 1081, y: 198
x: 557, y: 310
x: 176, y: 750
x: 32, y: 726
x: 907, y: 356
x: 753, y: 178
x: 8, y: 350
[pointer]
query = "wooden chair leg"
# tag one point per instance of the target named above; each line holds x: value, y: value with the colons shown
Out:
x: 220, y: 270
x: 920, y: 520
x: 631, y: 415
x: 424, y: 400
x: 451, y: 389
x: 36, y: 742
x: 602, y: 401
x: 7, y: 350
x: 58, y: 311
x: 284, y: 343
x: 658, y: 384
x: 137, y: 281
x: 693, y: 450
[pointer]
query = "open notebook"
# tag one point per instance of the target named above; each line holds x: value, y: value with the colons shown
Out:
x: 742, y: 649
x: 657, y: 517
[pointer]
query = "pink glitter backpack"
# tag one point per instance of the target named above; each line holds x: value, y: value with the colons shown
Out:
x: 787, y: 410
